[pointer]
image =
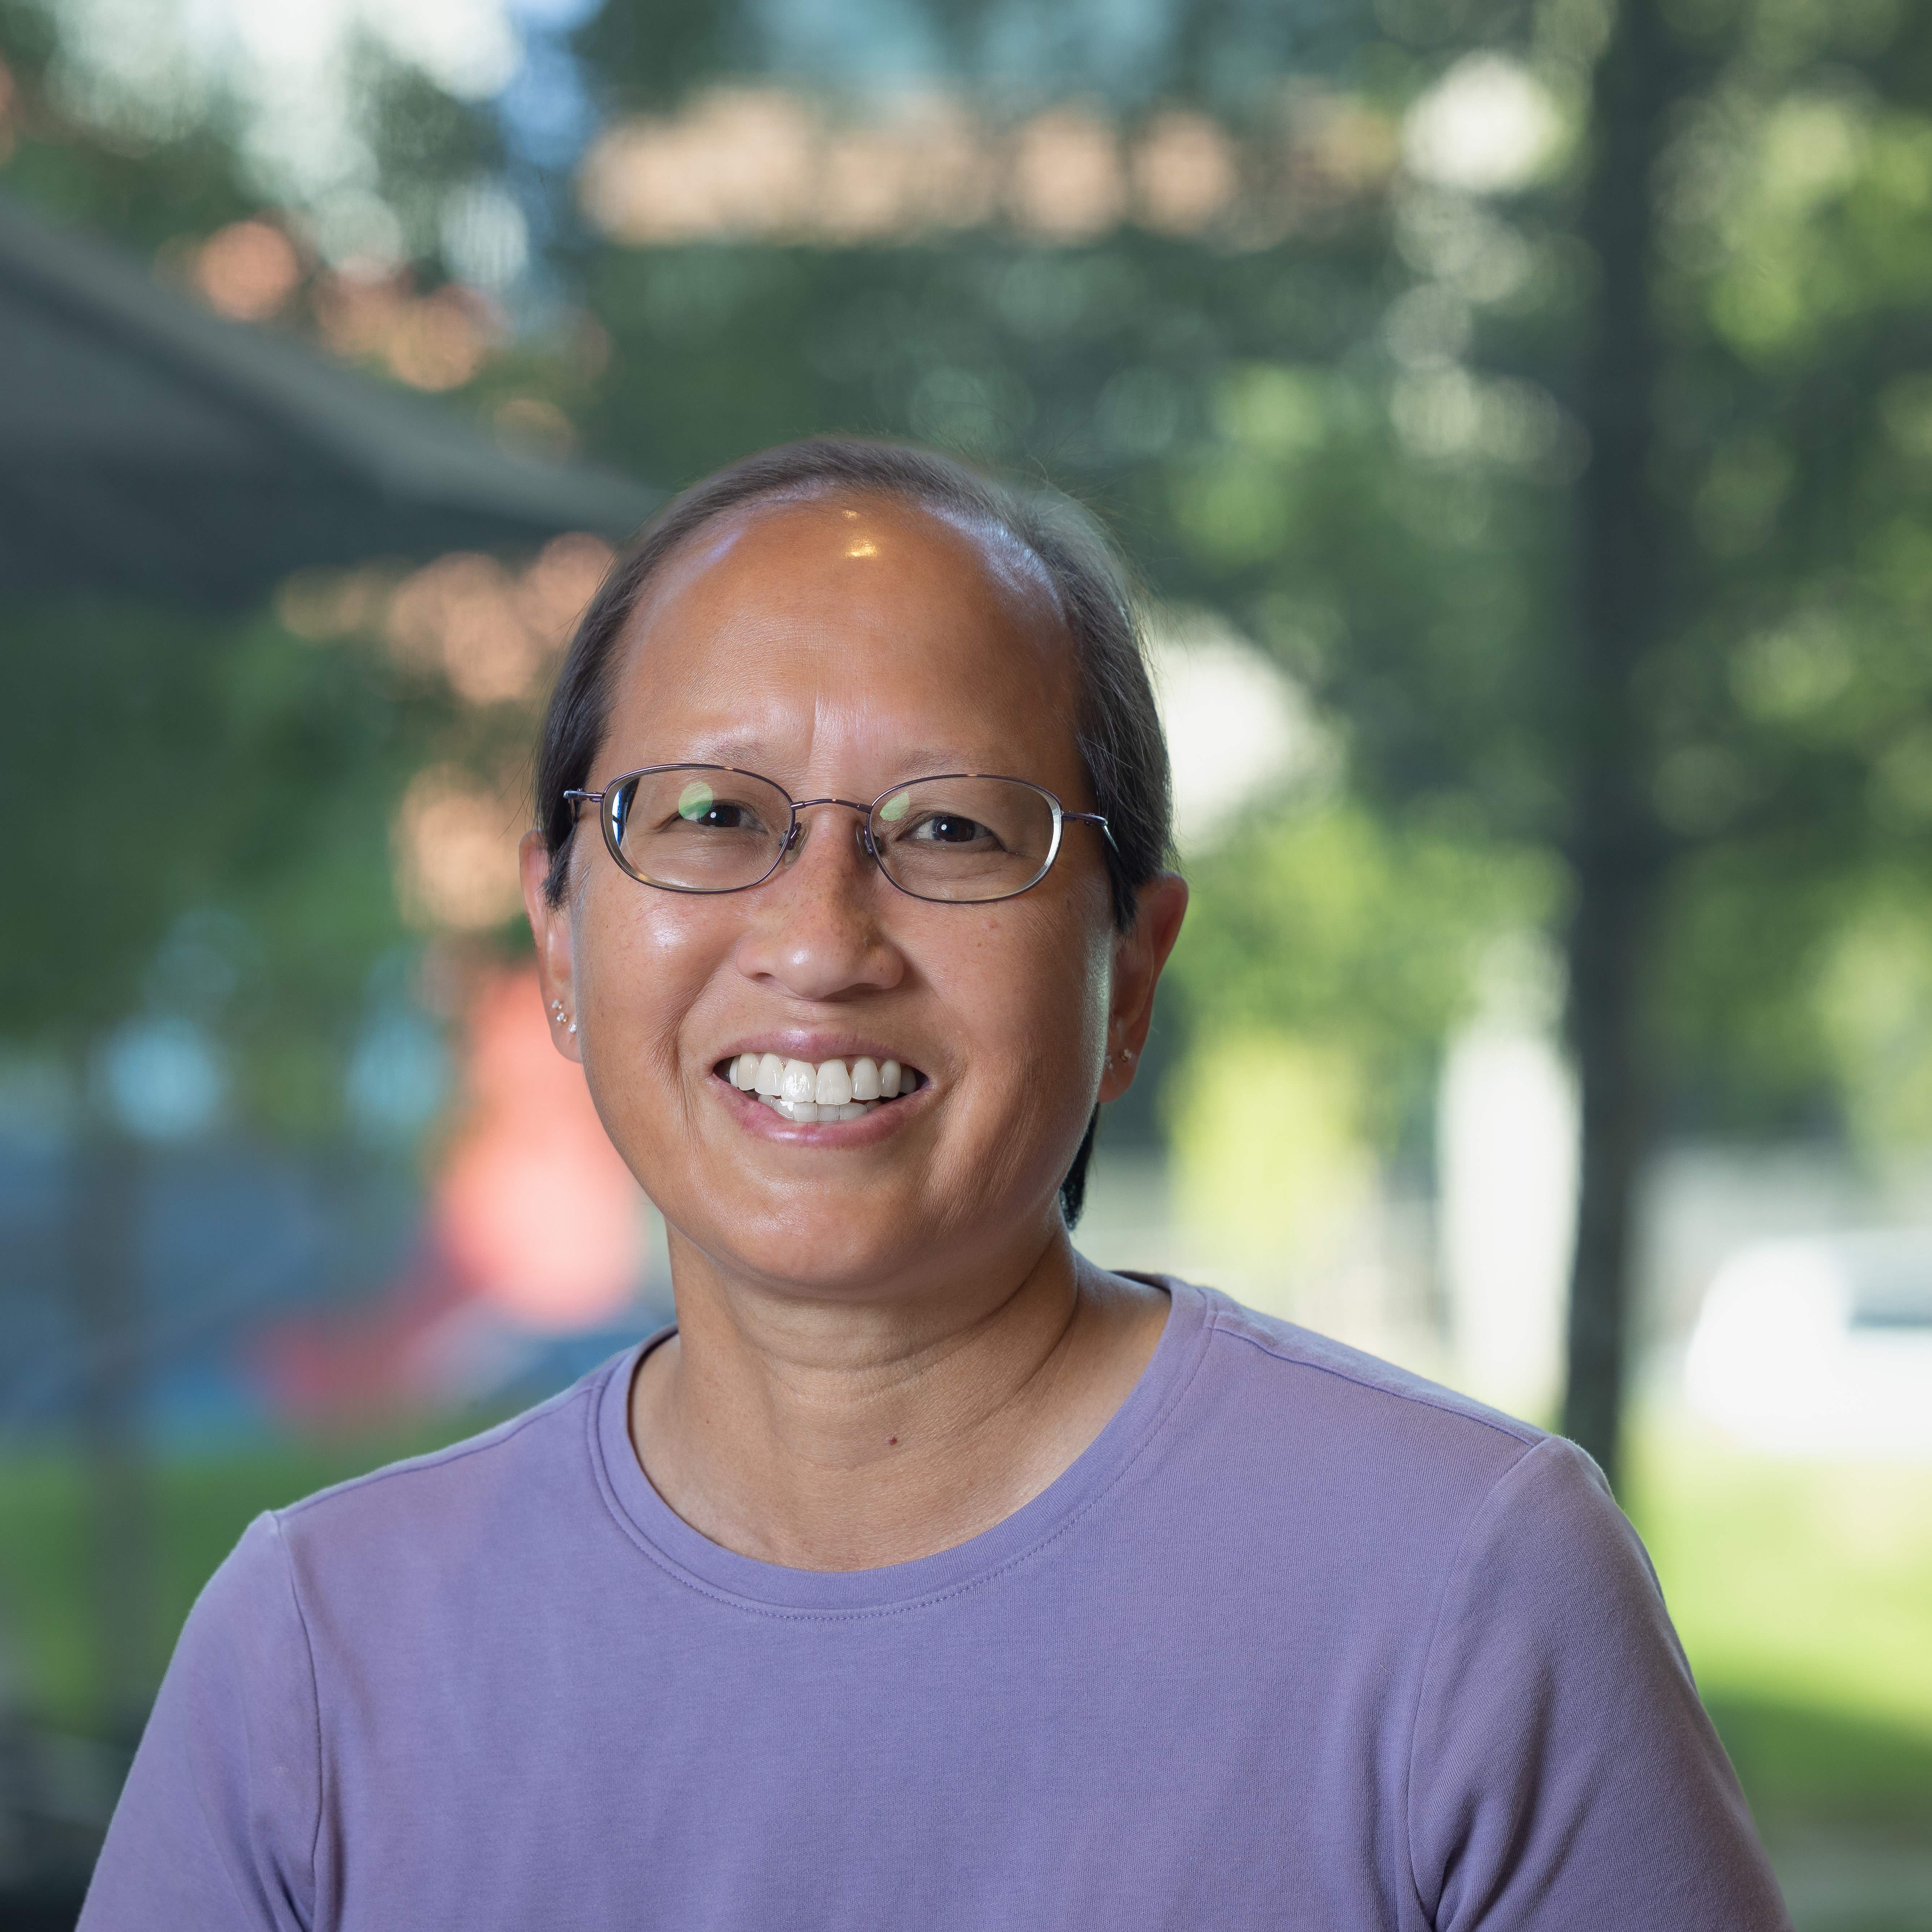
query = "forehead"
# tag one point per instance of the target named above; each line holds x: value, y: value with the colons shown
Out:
x: 800, y: 627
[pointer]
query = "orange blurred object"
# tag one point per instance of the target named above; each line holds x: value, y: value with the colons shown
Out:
x: 535, y: 1229
x: 247, y: 270
x: 533, y: 1204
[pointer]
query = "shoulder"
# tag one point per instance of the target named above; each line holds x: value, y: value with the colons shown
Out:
x: 1358, y: 1477
x: 1303, y: 1400
x: 527, y: 1478
x: 1355, y: 1381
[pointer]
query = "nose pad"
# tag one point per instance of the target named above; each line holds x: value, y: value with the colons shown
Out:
x: 796, y: 838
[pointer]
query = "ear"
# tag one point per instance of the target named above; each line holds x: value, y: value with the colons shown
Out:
x: 1139, y: 955
x: 550, y: 928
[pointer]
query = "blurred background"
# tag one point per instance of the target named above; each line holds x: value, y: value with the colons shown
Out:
x: 1520, y: 412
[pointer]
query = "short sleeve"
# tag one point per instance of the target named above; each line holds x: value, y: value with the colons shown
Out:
x: 1564, y: 1772
x: 216, y: 1828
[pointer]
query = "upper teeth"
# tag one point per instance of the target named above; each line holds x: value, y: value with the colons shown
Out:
x: 802, y: 1091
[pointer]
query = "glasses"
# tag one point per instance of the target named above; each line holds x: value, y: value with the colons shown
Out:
x: 959, y: 838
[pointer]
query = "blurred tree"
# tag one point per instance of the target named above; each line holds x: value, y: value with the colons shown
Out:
x: 1578, y: 465
x: 1364, y: 934
x: 1623, y: 589
x: 217, y: 852
x: 205, y: 924
x: 1555, y: 406
x: 143, y: 191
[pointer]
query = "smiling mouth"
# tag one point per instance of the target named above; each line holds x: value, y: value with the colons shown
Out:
x: 828, y: 1089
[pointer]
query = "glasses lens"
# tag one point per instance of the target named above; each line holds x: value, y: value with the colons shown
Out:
x: 699, y: 828
x: 964, y: 838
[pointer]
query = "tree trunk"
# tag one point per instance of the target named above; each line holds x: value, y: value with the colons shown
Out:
x: 1609, y: 940
x: 1623, y: 602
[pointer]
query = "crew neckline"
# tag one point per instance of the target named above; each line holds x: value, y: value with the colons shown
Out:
x: 695, y: 1559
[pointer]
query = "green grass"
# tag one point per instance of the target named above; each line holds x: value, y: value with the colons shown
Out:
x: 1803, y: 1592
x: 1808, y: 1769
x: 1794, y: 1585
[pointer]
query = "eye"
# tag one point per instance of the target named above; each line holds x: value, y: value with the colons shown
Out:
x: 722, y: 815
x: 699, y: 807
x: 949, y: 828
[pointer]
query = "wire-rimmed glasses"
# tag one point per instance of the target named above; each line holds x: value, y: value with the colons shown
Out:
x: 957, y: 837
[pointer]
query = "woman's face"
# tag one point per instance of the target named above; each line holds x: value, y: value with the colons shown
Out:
x: 839, y: 646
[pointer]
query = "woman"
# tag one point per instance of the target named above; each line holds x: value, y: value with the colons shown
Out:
x: 924, y: 1576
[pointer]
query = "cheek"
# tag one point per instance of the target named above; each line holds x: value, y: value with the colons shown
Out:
x: 643, y: 961
x: 1029, y: 988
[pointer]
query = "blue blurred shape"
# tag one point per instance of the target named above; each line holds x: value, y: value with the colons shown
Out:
x: 162, y: 1079
x: 396, y: 1079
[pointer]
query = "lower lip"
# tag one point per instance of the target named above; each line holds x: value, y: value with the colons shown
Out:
x: 753, y: 1114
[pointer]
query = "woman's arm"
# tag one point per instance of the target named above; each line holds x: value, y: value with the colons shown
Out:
x: 1563, y: 1773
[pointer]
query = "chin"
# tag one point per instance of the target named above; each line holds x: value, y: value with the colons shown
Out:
x: 834, y: 1243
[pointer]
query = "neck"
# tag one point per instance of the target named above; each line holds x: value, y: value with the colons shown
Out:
x: 841, y: 1436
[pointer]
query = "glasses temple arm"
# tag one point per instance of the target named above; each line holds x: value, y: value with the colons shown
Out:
x: 1093, y: 818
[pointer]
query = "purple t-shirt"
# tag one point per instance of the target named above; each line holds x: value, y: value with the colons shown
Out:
x: 1300, y: 1641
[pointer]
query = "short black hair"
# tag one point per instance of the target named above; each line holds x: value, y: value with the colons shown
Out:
x: 1116, y: 725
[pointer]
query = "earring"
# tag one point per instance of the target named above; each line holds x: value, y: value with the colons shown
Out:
x: 557, y: 1014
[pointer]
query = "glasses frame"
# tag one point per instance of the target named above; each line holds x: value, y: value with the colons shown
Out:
x: 605, y: 801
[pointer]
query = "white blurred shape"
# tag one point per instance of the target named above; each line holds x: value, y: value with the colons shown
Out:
x: 468, y: 47
x: 278, y: 34
x: 357, y: 231
x: 485, y: 238
x: 287, y: 67
x: 1237, y: 726
x: 1485, y: 127
x: 162, y: 1079
x: 1821, y: 1346
x: 1506, y: 1141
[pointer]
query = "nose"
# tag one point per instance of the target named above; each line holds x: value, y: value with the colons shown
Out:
x: 816, y: 930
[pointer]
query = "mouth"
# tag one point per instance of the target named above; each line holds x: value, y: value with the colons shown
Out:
x: 809, y: 1092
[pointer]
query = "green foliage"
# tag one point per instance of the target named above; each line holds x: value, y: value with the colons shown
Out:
x: 1330, y: 926
x: 1874, y: 1001
x: 205, y: 807
x: 142, y: 191
x: 1735, y: 1013
x: 1359, y: 440
x: 1271, y: 1139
